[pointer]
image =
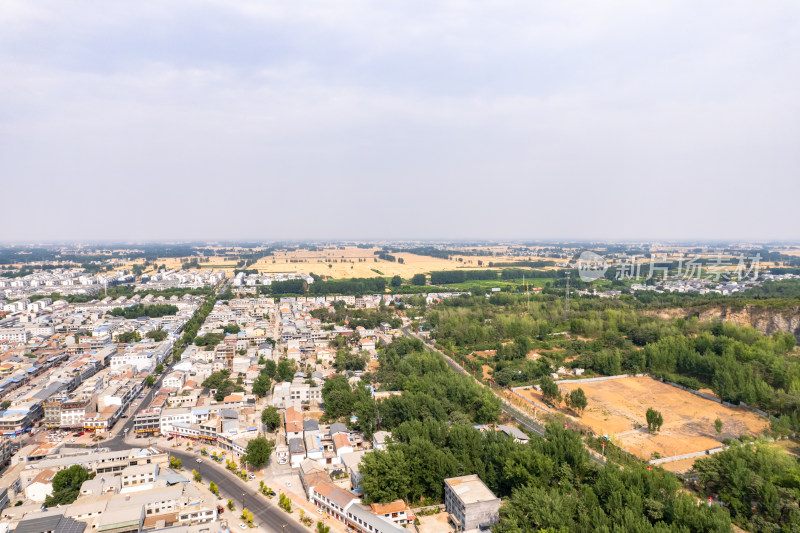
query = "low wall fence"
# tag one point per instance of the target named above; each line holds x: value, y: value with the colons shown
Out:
x: 703, y: 453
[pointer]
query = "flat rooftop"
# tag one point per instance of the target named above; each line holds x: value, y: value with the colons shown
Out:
x: 470, y: 489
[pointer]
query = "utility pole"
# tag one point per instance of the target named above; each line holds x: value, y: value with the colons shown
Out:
x: 527, y: 293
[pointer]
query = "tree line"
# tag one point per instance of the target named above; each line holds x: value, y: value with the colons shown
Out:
x: 138, y: 310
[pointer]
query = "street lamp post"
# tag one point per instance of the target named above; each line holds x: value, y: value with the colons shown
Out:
x: 243, y: 502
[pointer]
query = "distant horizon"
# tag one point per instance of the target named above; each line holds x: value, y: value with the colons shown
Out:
x: 455, y: 241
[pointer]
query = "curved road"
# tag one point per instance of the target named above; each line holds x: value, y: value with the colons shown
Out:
x: 268, y: 516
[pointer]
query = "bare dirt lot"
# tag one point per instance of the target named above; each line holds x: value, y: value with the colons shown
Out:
x: 617, y: 408
x: 437, y: 523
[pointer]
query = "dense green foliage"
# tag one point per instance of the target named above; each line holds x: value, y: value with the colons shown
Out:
x: 366, y: 318
x: 442, y: 277
x: 617, y: 336
x: 258, y: 452
x: 231, y: 329
x: 152, y: 311
x: 209, y: 339
x: 129, y: 337
x: 271, y: 418
x: 549, y: 482
x: 759, y: 482
x: 157, y: 335
x: 223, y: 385
x: 192, y: 326
x: 429, y: 390
x: 261, y: 385
x: 285, y: 369
x: 67, y: 485
x: 347, y: 360
x: 352, y: 287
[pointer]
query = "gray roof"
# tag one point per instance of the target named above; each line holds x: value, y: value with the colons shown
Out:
x: 171, y: 477
x: 46, y: 521
x: 338, y: 427
x: 512, y: 431
x: 50, y: 390
x: 296, y: 446
x: 310, y: 425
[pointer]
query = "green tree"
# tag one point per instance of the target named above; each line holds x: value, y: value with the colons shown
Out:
x: 270, y: 368
x: 337, y: 397
x: 577, y: 399
x: 129, y: 337
x: 654, y: 420
x: 157, y: 335
x: 418, y: 279
x: 196, y: 475
x: 718, y: 425
x: 286, y: 369
x: 396, y: 281
x: 214, y: 489
x: 271, y: 418
x: 550, y: 390
x: 261, y: 385
x: 385, y: 475
x: 149, y: 381
x: 230, y: 505
x: 258, y: 452
x: 66, y: 485
x: 159, y: 368
x: 322, y: 528
x: 346, y: 360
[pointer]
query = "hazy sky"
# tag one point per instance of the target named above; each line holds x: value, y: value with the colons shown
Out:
x: 399, y: 119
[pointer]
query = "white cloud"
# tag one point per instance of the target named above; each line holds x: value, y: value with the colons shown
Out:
x: 459, y: 119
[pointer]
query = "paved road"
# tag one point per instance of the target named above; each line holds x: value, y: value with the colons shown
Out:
x: 117, y: 442
x: 268, y: 515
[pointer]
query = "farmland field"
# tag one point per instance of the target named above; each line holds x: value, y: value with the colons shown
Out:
x: 354, y: 262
